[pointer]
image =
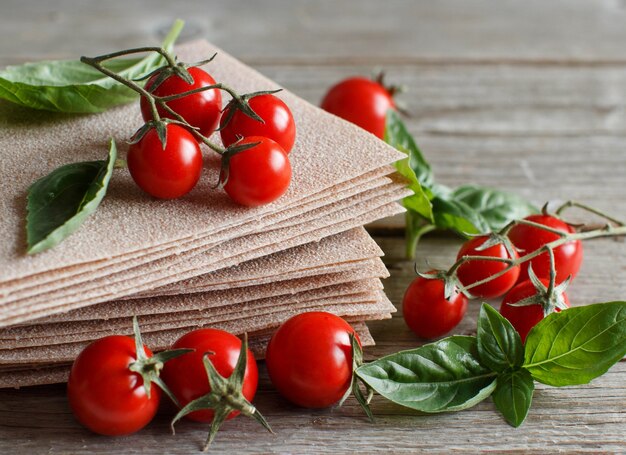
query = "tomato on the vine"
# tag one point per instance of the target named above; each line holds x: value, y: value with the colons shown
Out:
x: 567, y: 257
x: 258, y: 175
x: 524, y: 318
x: 166, y: 173
x: 278, y: 123
x: 104, y: 394
x: 186, y: 376
x: 361, y: 101
x: 201, y: 110
x: 309, y: 359
x: 473, y: 271
x: 426, y: 310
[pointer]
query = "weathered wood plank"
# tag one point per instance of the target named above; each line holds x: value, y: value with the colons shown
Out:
x: 329, y: 30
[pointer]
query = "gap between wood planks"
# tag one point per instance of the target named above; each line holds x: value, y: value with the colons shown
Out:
x: 431, y: 61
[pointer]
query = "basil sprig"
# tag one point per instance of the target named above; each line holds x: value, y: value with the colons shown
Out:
x: 71, y: 86
x: 61, y: 201
x: 469, y: 209
x: 442, y: 376
x: 571, y: 347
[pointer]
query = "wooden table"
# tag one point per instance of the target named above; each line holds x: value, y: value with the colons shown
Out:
x: 525, y: 96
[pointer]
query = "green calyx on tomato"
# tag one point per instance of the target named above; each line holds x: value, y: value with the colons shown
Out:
x: 242, y: 103
x: 224, y: 397
x: 550, y: 297
x: 149, y: 368
x: 274, y: 120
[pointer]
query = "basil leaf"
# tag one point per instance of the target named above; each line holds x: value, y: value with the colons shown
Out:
x: 453, y: 214
x: 441, y: 376
x: 577, y: 345
x: 397, y: 135
x: 61, y: 201
x: 499, y: 345
x: 418, y: 202
x: 497, y: 208
x: 74, y: 87
x: 513, y: 395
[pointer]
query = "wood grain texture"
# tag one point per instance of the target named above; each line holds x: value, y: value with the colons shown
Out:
x: 526, y: 96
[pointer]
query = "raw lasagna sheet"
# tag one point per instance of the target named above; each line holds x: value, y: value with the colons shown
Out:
x: 64, y: 287
x: 328, y: 151
x: 53, y: 374
x: 244, y: 249
x: 373, y: 269
x: 58, y: 278
x: 161, y: 339
x: 203, y: 254
x: 90, y: 330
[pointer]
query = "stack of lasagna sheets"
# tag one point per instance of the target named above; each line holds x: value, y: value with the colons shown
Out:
x: 199, y: 261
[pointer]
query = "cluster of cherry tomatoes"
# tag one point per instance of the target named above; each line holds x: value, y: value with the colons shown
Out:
x: 430, y: 314
x: 255, y: 176
x: 309, y: 360
x: 426, y: 309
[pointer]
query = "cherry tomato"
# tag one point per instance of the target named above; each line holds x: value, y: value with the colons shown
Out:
x: 201, y: 109
x: 567, y: 257
x: 524, y: 318
x: 279, y: 124
x: 309, y: 359
x: 474, y: 271
x: 427, y: 312
x: 169, y: 173
x: 361, y: 101
x: 258, y: 175
x: 187, y: 379
x: 105, y: 396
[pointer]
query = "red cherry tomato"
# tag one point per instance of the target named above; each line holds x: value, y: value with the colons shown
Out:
x: 258, y: 175
x: 427, y: 312
x: 361, y: 101
x: 186, y: 377
x: 169, y: 173
x: 201, y: 109
x: 309, y: 359
x: 474, y: 271
x: 567, y: 257
x: 105, y: 396
x: 524, y: 318
x: 279, y: 124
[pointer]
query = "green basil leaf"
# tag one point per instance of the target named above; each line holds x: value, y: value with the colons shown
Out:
x: 441, y: 376
x: 397, y: 135
x: 61, y: 201
x: 497, y: 208
x: 577, y: 345
x: 453, y: 214
x: 513, y: 395
x: 418, y: 202
x: 499, y: 345
x: 74, y: 87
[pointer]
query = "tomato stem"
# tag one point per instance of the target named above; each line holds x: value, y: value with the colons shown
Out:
x: 95, y: 62
x: 153, y: 100
x: 552, y: 281
x: 589, y: 209
x: 543, y: 227
x: 565, y: 237
x: 238, y: 102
